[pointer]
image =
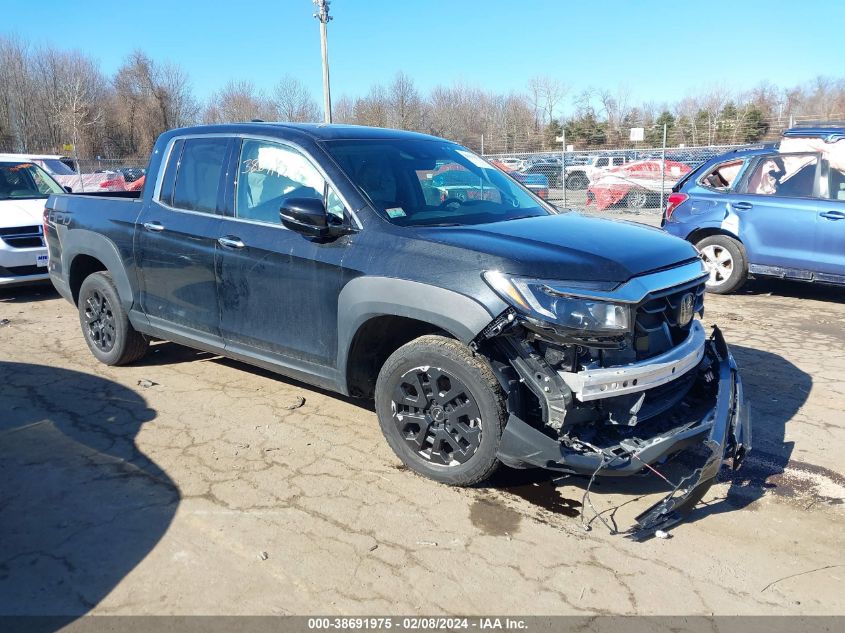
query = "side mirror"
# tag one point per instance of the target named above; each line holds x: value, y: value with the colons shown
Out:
x: 305, y: 215
x: 68, y: 189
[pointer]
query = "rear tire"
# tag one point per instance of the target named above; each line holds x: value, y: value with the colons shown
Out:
x: 441, y: 410
x: 727, y: 262
x: 105, y: 324
x: 637, y: 199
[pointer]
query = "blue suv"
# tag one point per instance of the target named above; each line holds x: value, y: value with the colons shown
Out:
x: 767, y: 210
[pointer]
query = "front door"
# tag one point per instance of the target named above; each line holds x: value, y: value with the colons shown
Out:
x: 776, y: 211
x: 279, y: 289
x: 831, y: 223
x: 176, y: 239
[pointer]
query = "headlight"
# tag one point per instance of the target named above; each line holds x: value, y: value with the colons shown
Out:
x: 539, y: 299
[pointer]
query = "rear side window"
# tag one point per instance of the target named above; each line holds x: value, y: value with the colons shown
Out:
x: 199, y: 174
x: 169, y: 179
x: 723, y: 176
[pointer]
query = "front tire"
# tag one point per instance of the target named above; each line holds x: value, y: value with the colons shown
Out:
x: 441, y: 410
x: 105, y: 324
x: 726, y: 261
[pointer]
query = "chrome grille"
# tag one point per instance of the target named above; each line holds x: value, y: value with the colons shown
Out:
x: 656, y: 326
x: 23, y: 236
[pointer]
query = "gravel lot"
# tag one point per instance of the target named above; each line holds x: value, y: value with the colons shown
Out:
x: 191, y: 484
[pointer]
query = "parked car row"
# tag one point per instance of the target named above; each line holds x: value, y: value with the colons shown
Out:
x: 64, y: 171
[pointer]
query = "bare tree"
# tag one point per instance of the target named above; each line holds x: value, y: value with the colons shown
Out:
x: 373, y: 109
x: 617, y: 109
x: 293, y: 101
x: 343, y: 110
x: 238, y: 101
x: 17, y: 93
x: 546, y: 95
x: 406, y: 106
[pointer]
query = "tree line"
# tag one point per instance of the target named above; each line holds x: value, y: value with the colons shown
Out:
x: 50, y: 98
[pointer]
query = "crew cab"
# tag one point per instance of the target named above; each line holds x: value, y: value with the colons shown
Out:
x: 24, y: 189
x: 488, y: 329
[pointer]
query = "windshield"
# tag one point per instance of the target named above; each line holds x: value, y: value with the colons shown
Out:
x: 432, y: 183
x: 57, y: 167
x: 25, y: 180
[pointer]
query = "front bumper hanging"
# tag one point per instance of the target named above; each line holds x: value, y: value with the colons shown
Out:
x: 724, y: 431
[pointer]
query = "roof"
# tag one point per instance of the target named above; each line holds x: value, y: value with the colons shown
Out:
x: 317, y: 131
x: 25, y: 157
x: 828, y: 133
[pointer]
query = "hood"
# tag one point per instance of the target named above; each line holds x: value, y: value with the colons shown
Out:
x: 568, y: 246
x: 15, y: 213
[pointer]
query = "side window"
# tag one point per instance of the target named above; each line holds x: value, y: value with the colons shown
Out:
x: 722, y: 176
x: 334, y: 207
x: 785, y: 175
x: 601, y: 162
x: 199, y: 174
x: 618, y: 160
x: 270, y: 172
x: 169, y: 178
x: 836, y: 180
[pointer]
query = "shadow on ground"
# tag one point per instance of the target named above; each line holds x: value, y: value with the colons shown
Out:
x: 793, y: 289
x: 80, y: 505
x: 776, y: 390
x: 42, y: 291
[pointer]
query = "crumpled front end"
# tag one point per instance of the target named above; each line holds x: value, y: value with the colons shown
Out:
x: 712, y: 415
x: 618, y: 405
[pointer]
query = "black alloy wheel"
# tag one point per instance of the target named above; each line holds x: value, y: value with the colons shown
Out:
x: 437, y: 416
x: 100, y: 320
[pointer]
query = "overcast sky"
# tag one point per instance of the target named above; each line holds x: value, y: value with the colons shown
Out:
x: 659, y: 51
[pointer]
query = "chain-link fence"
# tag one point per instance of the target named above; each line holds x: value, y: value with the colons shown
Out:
x: 607, y: 179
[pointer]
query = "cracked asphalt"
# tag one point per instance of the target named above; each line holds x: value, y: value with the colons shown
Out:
x: 191, y: 484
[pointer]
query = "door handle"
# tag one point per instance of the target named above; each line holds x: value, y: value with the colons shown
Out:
x: 230, y: 241
x: 833, y: 215
x: 156, y: 227
x: 742, y: 206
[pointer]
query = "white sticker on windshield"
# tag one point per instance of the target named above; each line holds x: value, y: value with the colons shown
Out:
x: 475, y: 160
x: 396, y: 212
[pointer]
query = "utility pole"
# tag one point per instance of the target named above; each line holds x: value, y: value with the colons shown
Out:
x: 323, y: 16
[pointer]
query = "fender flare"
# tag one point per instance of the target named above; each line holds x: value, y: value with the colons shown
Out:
x: 84, y: 242
x: 714, y: 228
x: 367, y: 297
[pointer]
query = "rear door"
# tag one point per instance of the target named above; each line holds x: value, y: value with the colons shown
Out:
x: 279, y: 289
x: 775, y: 211
x: 176, y: 238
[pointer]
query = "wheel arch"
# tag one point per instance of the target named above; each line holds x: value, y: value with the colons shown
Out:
x: 700, y: 233
x: 377, y: 315
x: 86, y: 252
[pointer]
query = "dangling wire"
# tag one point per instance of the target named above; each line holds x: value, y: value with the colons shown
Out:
x: 606, y: 460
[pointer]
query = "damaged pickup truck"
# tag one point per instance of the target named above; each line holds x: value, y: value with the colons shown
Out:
x: 489, y: 329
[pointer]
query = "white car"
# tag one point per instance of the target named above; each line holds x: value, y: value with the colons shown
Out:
x: 580, y: 176
x: 62, y: 170
x: 24, y: 189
